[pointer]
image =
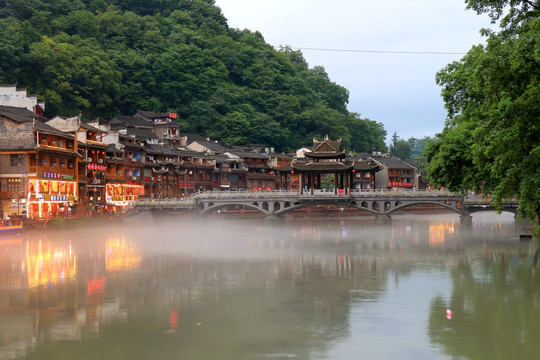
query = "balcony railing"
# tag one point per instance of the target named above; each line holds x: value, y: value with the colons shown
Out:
x: 47, y: 169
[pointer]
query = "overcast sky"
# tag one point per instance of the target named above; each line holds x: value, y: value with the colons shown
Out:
x: 397, y: 90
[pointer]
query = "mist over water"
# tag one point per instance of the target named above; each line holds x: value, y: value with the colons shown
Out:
x: 302, y: 288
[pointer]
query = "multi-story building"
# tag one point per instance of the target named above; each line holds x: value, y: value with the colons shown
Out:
x: 260, y: 175
x: 92, y: 167
x: 394, y: 173
x: 38, y: 165
x: 165, y: 126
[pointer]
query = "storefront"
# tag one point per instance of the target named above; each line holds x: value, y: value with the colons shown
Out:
x: 51, y: 194
x: 123, y: 194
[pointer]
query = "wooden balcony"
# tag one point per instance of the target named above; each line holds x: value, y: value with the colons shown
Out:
x: 115, y: 177
x: 46, y: 169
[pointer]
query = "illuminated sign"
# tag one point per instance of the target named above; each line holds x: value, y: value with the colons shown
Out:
x: 173, y: 115
x: 96, y: 167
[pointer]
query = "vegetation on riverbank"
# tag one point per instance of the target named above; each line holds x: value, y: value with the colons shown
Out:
x: 491, y: 140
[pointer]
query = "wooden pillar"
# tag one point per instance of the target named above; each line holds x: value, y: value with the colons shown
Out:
x: 301, y: 183
x: 312, y: 178
x: 335, y: 183
x: 346, y: 184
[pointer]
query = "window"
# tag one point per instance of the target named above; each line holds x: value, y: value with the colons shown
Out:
x: 62, y: 163
x: 70, y: 164
x: 16, y: 160
x: 14, y: 185
x: 44, y: 162
x: 53, y: 163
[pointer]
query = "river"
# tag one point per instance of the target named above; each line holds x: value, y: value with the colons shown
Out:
x: 422, y: 287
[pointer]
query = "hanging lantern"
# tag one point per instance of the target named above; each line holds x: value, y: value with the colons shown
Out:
x: 353, y: 171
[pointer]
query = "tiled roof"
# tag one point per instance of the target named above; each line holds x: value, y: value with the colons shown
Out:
x: 152, y: 115
x: 18, y: 114
x: 141, y: 134
x: 47, y: 129
x: 113, y: 149
x: 392, y: 162
x: 247, y: 154
x: 209, y: 144
x: 161, y: 150
x: 322, y: 166
x: 325, y: 155
x: 91, y: 128
x: 128, y: 121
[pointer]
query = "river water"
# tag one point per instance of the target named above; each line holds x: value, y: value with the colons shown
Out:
x: 422, y: 287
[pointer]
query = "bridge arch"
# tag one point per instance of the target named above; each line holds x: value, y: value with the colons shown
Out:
x: 445, y: 204
x: 303, y: 205
x: 211, y: 207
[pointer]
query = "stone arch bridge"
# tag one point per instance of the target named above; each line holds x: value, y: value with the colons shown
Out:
x: 276, y: 203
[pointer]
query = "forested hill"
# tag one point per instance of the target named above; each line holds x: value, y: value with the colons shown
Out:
x: 107, y: 57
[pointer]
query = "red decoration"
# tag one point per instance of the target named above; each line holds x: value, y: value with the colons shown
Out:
x: 173, y: 115
x: 353, y: 171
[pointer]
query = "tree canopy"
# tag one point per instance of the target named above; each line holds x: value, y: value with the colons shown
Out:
x: 100, y: 58
x: 491, y: 139
x: 400, y: 148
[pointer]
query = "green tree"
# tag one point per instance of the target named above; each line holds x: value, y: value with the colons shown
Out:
x: 366, y: 135
x: 108, y: 57
x: 418, y: 145
x: 399, y: 147
x: 492, y: 134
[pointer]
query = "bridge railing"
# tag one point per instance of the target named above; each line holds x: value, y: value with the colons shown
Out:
x: 187, y: 202
x: 319, y: 193
x: 242, y: 194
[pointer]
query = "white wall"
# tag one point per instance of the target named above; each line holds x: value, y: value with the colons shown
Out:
x: 11, y: 96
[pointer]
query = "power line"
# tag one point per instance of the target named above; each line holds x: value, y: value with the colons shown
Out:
x: 381, y: 51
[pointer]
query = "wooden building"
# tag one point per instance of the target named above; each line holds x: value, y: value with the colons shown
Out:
x: 327, y: 159
x: 38, y: 164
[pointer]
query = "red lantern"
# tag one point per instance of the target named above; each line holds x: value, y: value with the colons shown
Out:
x: 353, y: 171
x: 292, y: 172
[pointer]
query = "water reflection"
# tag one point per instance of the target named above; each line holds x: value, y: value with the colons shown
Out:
x: 495, y: 303
x: 49, y: 263
x: 314, y: 288
x: 121, y: 255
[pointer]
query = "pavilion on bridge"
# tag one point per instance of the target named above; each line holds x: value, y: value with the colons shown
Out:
x: 327, y: 158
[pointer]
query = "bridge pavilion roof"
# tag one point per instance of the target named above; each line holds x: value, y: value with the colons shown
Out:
x: 326, y: 149
x: 319, y: 167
